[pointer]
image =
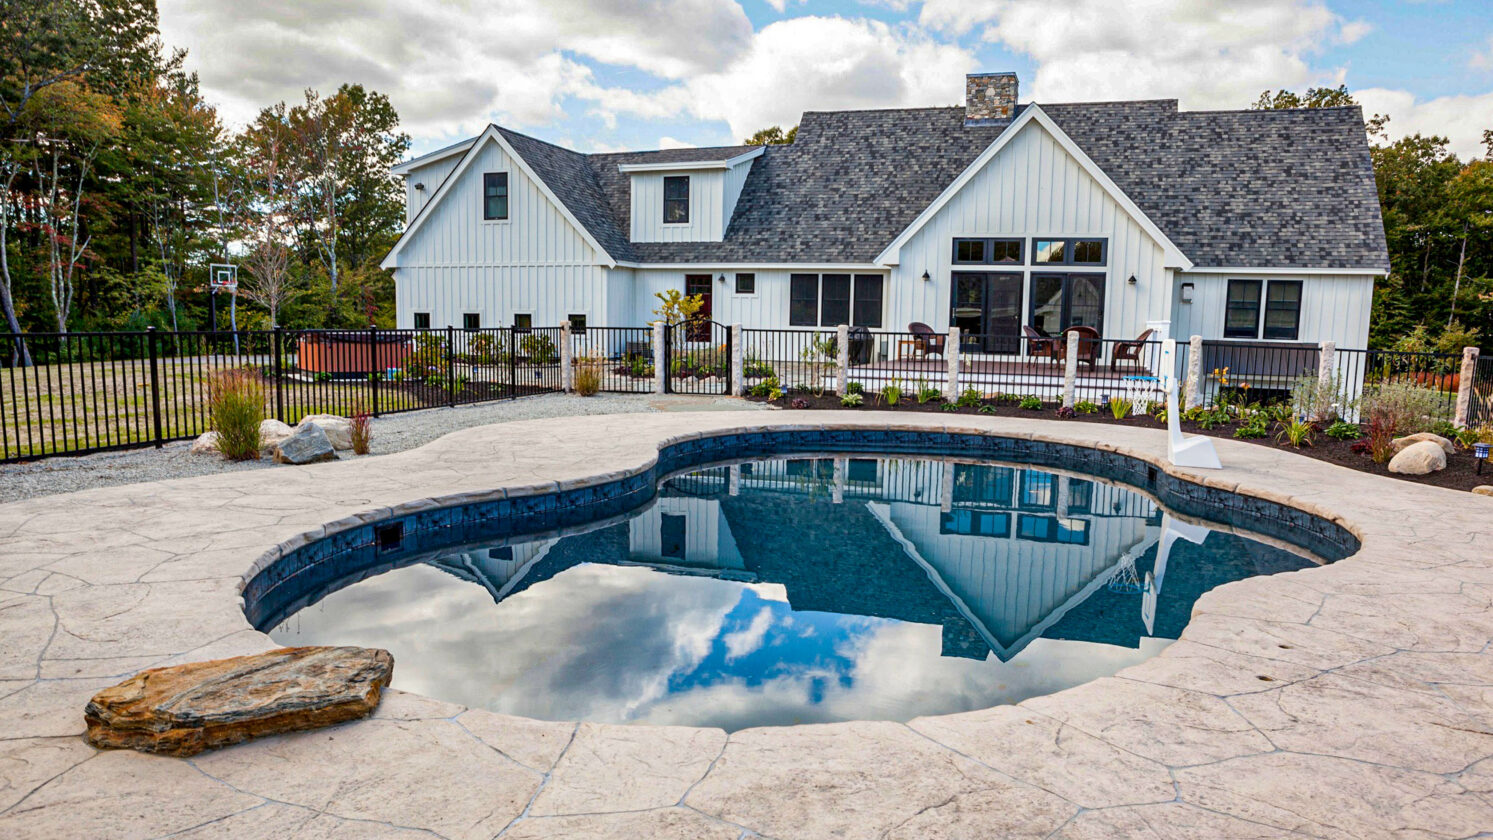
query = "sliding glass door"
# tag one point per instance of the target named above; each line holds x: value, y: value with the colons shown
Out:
x: 1060, y: 301
x: 986, y: 307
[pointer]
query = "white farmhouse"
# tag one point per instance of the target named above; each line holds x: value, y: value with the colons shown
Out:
x: 996, y: 217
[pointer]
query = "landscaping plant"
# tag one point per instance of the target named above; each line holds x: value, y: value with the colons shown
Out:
x: 1030, y: 402
x: 1380, y: 443
x: 1086, y: 407
x: 1298, y: 433
x: 948, y: 406
x: 987, y: 409
x: 1257, y: 426
x: 927, y: 393
x: 891, y: 393
x: 235, y: 405
x: 799, y: 403
x: 1119, y: 407
x: 1067, y: 412
x: 969, y: 399
x: 361, y: 431
x: 587, y: 379
x: 1343, y: 430
x: 852, y: 400
x: 1404, y: 408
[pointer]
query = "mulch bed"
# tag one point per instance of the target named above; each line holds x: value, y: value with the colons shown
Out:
x: 1460, y: 472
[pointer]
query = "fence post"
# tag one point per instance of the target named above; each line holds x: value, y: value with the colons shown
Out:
x: 738, y: 362
x: 842, y: 360
x: 1195, y: 372
x: 951, y: 355
x: 1070, y: 371
x: 278, y: 346
x: 155, y: 383
x: 375, y: 374
x: 512, y: 347
x: 1464, y: 387
x: 1326, y: 372
x: 660, y: 362
x: 567, y: 359
x: 450, y: 366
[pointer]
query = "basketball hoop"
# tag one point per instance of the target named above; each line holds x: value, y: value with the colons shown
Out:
x: 1125, y: 580
x: 222, y: 276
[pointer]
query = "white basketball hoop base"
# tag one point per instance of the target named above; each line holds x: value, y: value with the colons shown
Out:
x: 1197, y: 452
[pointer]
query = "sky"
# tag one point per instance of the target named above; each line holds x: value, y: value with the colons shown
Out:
x: 605, y: 75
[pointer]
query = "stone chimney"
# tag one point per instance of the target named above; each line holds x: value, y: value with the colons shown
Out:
x: 989, y: 97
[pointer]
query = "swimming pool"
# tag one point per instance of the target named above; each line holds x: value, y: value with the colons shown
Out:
x: 775, y: 590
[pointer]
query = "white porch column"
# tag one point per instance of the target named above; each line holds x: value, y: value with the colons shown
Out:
x: 1160, y: 330
x: 660, y: 370
x: 842, y: 360
x: 1326, y: 373
x: 1194, y: 372
x: 1464, y: 386
x: 738, y: 357
x: 951, y: 355
x: 567, y: 359
x: 1070, y: 371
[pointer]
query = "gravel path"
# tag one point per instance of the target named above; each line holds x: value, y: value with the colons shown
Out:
x: 394, y: 433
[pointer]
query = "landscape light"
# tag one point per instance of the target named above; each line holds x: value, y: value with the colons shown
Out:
x: 1480, y: 452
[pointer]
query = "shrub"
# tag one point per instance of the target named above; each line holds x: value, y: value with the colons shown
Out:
x: 799, y: 403
x: 969, y: 399
x: 854, y: 388
x: 754, y: 368
x: 1298, y: 433
x: 1119, y: 407
x: 486, y: 348
x: 537, y: 348
x: 1257, y: 426
x: 1067, y: 412
x: 1343, y: 430
x: 235, y: 410
x: 1313, y: 399
x: 852, y: 400
x: 1030, y: 402
x: 1086, y: 407
x: 587, y: 380
x: 362, y: 432
x: 1381, y: 435
x: 1465, y: 438
x: 948, y: 406
x: 1402, y: 407
x: 766, y: 387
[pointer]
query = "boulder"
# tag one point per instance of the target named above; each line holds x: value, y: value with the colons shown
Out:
x: 271, y: 432
x: 206, y: 444
x: 185, y: 709
x: 1483, y: 490
x: 339, y: 429
x: 1420, y: 458
x: 1400, y: 443
x: 307, y: 445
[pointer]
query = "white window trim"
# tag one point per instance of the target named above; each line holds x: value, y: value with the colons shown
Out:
x: 756, y: 284
x: 1259, y: 335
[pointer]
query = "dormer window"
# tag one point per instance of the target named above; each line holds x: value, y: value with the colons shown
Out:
x: 494, y: 196
x: 676, y: 200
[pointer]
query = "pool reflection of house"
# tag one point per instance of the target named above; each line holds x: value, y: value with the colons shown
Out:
x: 998, y: 556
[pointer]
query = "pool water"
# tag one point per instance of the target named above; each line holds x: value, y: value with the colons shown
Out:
x: 799, y: 590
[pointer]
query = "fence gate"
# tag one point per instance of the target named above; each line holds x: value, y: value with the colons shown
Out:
x: 697, y: 357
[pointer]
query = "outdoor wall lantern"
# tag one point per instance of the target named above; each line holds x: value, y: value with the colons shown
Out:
x: 722, y: 278
x: 926, y: 277
x: 420, y: 187
x: 1132, y: 280
x: 1480, y: 452
x: 1187, y: 293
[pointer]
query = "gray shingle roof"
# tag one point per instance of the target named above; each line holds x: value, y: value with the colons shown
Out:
x: 1230, y: 188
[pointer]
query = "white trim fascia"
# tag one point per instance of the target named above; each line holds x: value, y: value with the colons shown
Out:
x: 707, y: 266
x: 692, y: 165
x: 1367, y: 272
x: 495, y: 136
x: 431, y: 157
x: 1174, y: 258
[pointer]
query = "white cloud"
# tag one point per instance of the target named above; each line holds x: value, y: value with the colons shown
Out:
x: 1461, y: 119
x: 1208, y: 53
x: 1483, y: 58
x: 745, y: 641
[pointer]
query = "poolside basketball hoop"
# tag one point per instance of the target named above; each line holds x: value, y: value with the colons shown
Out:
x: 1125, y: 580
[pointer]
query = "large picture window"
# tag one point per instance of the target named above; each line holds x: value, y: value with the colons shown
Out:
x: 1279, y: 302
x: 829, y: 300
x: 1241, y: 312
x: 1060, y: 301
x: 494, y: 196
x: 1069, y: 252
x: 676, y: 199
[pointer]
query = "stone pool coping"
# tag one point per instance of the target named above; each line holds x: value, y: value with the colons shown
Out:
x: 1350, y: 700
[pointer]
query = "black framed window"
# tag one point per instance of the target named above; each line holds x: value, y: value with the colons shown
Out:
x: 577, y: 324
x: 803, y: 300
x: 1069, y: 251
x: 523, y: 322
x: 676, y: 199
x: 494, y: 196
x: 422, y: 320
x: 867, y: 312
x: 862, y: 470
x: 1039, y: 490
x: 1060, y: 301
x: 975, y: 523
x: 1283, y: 310
x: 1241, y: 314
x: 673, y: 530
x: 471, y: 321
x: 746, y: 283
x: 979, y: 484
x: 987, y: 251
x: 834, y: 300
x: 1053, y: 530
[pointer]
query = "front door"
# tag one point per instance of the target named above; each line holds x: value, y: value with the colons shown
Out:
x: 987, y: 310
x: 1060, y: 301
x: 699, y: 328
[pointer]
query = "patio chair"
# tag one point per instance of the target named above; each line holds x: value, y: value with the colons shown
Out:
x: 1089, y: 343
x: 1040, y: 346
x: 929, y: 342
x: 1129, y: 351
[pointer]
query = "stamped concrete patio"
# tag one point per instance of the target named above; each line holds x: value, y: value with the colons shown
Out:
x: 1353, y: 700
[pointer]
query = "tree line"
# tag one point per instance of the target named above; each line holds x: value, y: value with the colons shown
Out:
x: 120, y: 185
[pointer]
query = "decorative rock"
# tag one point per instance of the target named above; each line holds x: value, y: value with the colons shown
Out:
x: 307, y: 445
x: 1483, y: 490
x: 1400, y: 443
x: 206, y: 444
x: 339, y: 429
x: 185, y: 709
x: 271, y: 432
x: 1421, y: 458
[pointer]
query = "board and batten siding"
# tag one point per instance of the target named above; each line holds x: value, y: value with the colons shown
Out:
x: 430, y: 175
x: 707, y: 219
x: 1033, y: 188
x: 766, y: 309
x: 549, y: 294
x: 1333, y: 307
